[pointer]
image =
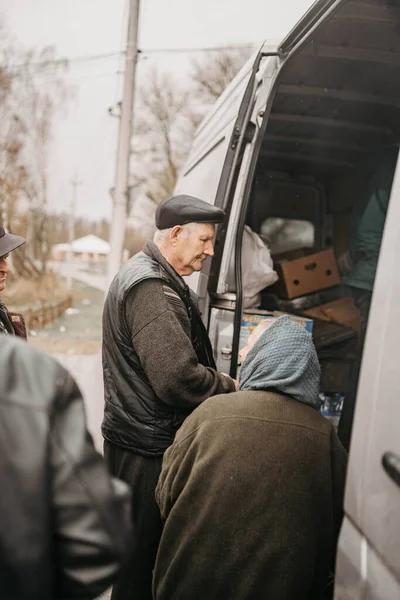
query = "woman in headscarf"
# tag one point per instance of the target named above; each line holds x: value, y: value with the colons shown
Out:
x: 251, y: 490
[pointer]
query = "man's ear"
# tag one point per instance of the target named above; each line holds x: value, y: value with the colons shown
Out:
x: 175, y: 233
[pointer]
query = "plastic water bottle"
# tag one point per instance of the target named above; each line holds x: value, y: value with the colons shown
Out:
x: 331, y: 407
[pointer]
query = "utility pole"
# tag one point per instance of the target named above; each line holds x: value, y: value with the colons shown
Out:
x: 71, y: 229
x: 124, y: 145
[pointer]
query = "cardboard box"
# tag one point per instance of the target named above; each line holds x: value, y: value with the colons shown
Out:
x: 291, y: 255
x: 309, y: 274
x: 342, y: 311
x: 306, y: 323
x: 250, y: 322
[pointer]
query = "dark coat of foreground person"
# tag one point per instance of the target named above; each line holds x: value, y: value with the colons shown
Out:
x: 251, y: 490
x: 64, y: 524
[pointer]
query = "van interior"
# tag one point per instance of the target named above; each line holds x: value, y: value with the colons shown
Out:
x: 336, y: 108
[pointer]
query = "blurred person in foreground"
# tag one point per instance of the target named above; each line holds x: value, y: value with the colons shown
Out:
x: 64, y: 524
x: 158, y: 367
x: 10, y: 323
x: 251, y: 490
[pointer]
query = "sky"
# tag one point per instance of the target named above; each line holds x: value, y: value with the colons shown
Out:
x: 85, y: 135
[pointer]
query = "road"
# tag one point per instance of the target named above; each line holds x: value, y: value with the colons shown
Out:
x: 87, y: 371
x: 82, y: 273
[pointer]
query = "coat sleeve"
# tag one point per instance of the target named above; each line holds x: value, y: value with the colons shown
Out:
x: 180, y: 461
x: 165, y: 491
x: 90, y: 511
x: 160, y: 330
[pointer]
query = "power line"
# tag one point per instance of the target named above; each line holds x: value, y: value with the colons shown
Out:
x: 106, y: 56
x: 199, y: 49
x: 71, y: 60
x: 71, y: 78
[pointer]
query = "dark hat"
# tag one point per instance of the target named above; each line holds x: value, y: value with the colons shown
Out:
x: 179, y: 210
x: 9, y: 242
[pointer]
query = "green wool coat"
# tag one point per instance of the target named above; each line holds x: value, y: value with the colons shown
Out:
x: 251, y: 494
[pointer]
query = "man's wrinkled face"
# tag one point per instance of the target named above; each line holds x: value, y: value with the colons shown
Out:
x: 4, y: 269
x: 193, y: 246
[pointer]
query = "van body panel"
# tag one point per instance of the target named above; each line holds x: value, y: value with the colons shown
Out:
x: 350, y: 564
x: 213, y: 127
x: 203, y: 168
x: 202, y: 180
x: 221, y: 332
x: 361, y: 574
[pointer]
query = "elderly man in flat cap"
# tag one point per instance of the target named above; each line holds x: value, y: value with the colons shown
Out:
x: 10, y: 323
x: 158, y: 367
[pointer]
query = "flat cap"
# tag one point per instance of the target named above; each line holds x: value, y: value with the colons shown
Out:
x: 9, y: 242
x: 182, y: 209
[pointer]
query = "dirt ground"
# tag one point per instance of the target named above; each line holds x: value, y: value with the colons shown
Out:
x: 22, y: 292
x: 79, y: 330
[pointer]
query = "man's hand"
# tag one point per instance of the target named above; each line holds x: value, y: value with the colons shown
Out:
x: 234, y: 381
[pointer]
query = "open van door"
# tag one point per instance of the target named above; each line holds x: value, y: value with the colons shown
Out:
x: 236, y: 182
x: 232, y: 189
x: 213, y: 165
x: 319, y: 11
x: 243, y: 132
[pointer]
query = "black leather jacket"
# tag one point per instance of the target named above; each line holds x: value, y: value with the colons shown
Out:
x: 64, y: 524
x: 134, y: 417
x: 12, y: 323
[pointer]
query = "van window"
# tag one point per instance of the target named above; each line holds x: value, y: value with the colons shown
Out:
x: 284, y: 235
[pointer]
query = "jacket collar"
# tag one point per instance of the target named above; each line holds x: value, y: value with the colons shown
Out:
x: 152, y: 250
x: 5, y: 323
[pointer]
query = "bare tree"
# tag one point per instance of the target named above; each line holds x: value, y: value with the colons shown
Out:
x: 213, y: 72
x: 167, y: 115
x: 31, y: 93
x: 164, y: 130
x: 10, y: 136
x: 12, y: 171
x: 39, y: 93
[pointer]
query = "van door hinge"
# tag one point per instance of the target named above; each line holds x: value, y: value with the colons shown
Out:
x: 235, y: 137
x: 248, y: 135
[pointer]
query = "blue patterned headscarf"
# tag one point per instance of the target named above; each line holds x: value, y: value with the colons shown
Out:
x: 283, y: 359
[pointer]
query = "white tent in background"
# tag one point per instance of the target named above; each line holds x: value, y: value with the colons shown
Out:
x: 88, y: 248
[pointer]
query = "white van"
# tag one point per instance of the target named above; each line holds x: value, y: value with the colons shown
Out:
x: 281, y: 147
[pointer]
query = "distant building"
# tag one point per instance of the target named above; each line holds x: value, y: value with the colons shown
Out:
x: 88, y: 249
